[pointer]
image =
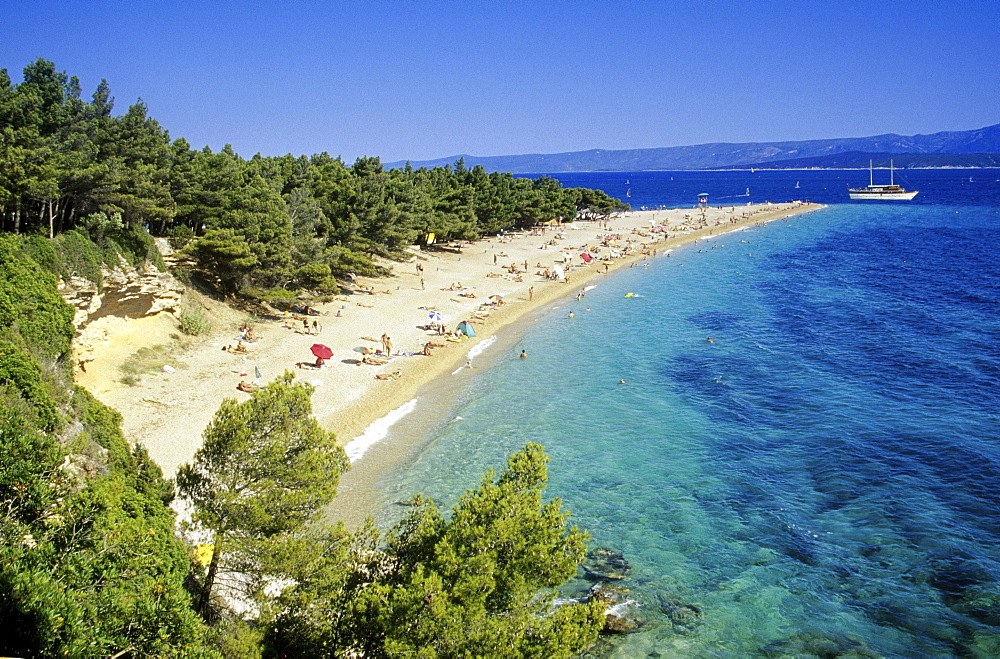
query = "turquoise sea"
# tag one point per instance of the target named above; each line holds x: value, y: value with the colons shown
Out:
x: 822, y: 479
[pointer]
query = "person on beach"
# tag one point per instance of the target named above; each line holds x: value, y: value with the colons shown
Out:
x: 531, y: 292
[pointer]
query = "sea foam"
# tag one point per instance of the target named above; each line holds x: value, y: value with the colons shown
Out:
x: 480, y: 347
x: 377, y: 431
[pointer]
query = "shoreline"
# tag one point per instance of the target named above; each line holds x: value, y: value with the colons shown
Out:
x: 358, y: 424
x: 167, y: 412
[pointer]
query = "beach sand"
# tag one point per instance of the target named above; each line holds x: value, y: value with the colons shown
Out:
x: 168, y: 412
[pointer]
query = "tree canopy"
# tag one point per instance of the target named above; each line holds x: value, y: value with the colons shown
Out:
x: 260, y: 223
x: 264, y: 469
x: 480, y: 583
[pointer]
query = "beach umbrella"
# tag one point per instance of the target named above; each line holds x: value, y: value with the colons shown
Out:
x: 364, y: 350
x: 321, y: 351
x: 496, y: 298
x: 435, y: 317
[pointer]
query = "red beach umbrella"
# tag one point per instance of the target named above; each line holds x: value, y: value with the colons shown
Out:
x: 321, y: 351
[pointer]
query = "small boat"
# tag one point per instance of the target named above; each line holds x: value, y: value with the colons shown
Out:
x: 891, y: 192
x: 796, y: 185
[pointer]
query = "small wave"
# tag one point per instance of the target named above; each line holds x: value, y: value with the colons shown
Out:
x: 377, y: 431
x: 621, y: 608
x: 724, y: 233
x: 591, y: 287
x: 480, y: 347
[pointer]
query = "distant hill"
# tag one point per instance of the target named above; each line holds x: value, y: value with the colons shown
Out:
x: 859, y: 160
x: 726, y: 155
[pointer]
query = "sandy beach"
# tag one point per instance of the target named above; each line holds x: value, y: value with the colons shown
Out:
x: 168, y: 411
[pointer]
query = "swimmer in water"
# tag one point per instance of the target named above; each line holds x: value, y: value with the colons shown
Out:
x: 524, y: 355
x: 709, y: 339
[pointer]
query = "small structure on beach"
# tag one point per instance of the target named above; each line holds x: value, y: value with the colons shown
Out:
x: 702, y: 199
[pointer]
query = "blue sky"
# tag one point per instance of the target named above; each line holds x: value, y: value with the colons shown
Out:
x: 420, y: 80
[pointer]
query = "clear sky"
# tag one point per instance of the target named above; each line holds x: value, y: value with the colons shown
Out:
x: 427, y: 79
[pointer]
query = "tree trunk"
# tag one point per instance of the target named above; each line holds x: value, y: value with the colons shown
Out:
x: 206, y: 591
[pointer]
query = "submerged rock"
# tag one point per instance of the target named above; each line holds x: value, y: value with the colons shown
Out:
x: 622, y: 615
x: 981, y: 604
x: 818, y: 644
x: 684, y: 618
x: 605, y: 564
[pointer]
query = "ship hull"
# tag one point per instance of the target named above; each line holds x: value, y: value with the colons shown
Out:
x: 884, y: 196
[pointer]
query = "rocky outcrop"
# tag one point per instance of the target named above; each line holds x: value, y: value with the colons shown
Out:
x: 125, y: 292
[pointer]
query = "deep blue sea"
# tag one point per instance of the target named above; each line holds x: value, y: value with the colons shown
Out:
x: 824, y: 477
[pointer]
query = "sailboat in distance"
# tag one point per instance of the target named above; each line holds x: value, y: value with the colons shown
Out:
x: 891, y: 192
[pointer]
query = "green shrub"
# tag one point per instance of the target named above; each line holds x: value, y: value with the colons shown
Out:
x: 312, y: 275
x: 180, y: 235
x: 194, y: 321
x: 30, y: 302
x: 137, y: 246
x: 79, y: 256
x: 21, y: 375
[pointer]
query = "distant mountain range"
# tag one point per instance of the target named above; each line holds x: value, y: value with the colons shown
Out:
x: 970, y: 148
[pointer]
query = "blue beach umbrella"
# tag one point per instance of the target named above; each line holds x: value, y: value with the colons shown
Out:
x: 435, y: 317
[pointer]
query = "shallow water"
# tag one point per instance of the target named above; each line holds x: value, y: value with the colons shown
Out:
x: 823, y: 475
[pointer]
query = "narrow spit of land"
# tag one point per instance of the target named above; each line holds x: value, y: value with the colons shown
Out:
x: 167, y: 412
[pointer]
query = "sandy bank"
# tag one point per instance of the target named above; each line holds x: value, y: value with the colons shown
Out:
x: 167, y: 412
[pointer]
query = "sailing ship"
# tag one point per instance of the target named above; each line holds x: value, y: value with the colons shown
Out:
x: 891, y: 192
